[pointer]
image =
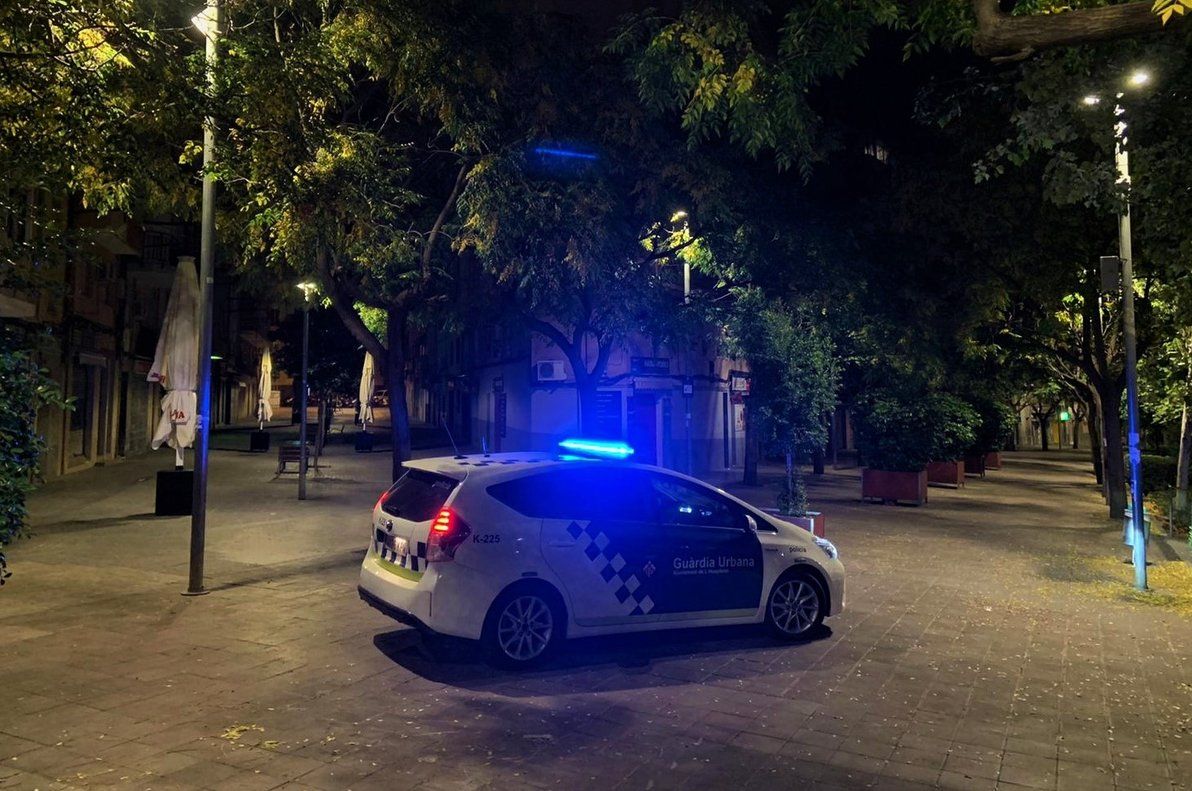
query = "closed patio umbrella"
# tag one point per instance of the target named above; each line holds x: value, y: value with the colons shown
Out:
x: 264, y: 388
x: 176, y: 362
x: 367, y: 387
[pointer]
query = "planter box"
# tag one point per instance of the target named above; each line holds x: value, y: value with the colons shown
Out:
x: 946, y: 473
x: 993, y: 460
x: 258, y: 441
x: 364, y: 442
x: 813, y: 521
x: 974, y: 465
x: 894, y: 487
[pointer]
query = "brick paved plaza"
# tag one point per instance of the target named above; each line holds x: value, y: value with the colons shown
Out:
x: 969, y: 657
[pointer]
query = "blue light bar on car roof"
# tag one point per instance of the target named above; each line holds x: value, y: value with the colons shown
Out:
x: 596, y: 448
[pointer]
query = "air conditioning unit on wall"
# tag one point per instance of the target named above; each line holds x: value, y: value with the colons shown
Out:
x: 550, y: 371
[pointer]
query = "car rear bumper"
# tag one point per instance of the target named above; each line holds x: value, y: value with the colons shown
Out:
x: 396, y: 613
x: 442, y: 600
x: 396, y: 592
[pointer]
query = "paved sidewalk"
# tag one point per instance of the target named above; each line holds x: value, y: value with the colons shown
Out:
x: 967, y: 657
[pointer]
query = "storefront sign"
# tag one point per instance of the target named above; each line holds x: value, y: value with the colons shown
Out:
x: 649, y: 366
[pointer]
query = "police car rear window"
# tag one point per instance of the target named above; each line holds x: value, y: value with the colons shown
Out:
x: 418, y: 495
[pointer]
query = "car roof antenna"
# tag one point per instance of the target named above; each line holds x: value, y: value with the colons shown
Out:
x: 458, y: 455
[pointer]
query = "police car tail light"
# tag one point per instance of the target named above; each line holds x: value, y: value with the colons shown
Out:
x: 447, y: 532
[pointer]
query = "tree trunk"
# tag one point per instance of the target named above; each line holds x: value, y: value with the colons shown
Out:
x: 752, y: 446
x: 395, y: 381
x: 1115, y: 466
x: 1185, y: 460
x: 1000, y: 34
x: 586, y: 387
x: 1044, y: 440
x: 1096, y: 449
x: 1076, y: 434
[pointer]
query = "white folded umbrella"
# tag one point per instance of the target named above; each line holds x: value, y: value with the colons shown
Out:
x: 367, y: 388
x: 264, y: 388
x: 176, y: 362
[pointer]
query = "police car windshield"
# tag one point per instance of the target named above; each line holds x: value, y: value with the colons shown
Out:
x: 418, y: 495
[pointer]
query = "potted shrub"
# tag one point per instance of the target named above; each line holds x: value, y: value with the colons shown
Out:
x: 953, y: 433
x: 899, y: 434
x: 995, y: 424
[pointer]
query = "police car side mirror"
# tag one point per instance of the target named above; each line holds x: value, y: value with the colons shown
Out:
x: 750, y: 524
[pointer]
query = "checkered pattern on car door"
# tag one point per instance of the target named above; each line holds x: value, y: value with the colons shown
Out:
x: 608, y: 564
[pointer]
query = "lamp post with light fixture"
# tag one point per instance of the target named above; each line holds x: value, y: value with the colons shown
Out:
x: 1137, y: 79
x: 307, y: 288
x: 680, y: 216
x: 209, y: 22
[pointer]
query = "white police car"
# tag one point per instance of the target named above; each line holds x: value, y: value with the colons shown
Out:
x: 522, y: 550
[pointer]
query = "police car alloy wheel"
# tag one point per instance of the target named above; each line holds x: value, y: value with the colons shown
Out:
x: 796, y: 606
x: 523, y: 628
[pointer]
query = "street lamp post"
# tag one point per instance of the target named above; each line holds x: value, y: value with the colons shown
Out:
x: 209, y: 22
x: 1137, y: 511
x: 307, y: 290
x: 1121, y: 156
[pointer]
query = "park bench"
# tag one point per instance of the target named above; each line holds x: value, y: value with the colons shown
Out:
x: 291, y: 453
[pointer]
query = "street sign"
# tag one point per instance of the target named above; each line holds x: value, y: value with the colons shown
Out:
x: 688, y: 386
x: 1111, y: 274
x: 739, y: 382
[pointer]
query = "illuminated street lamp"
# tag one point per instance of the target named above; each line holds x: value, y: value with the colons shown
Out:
x: 307, y: 289
x: 1137, y: 532
x: 680, y: 216
x: 209, y: 22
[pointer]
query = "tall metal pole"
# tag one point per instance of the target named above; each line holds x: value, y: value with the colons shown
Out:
x: 198, y: 518
x: 1137, y: 512
x: 302, y: 399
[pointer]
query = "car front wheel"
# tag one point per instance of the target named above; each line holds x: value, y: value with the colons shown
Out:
x: 797, y: 605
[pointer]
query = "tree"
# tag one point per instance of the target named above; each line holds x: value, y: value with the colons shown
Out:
x: 1043, y: 403
x: 574, y: 210
x: 1003, y: 35
x: 1165, y: 381
x: 794, y: 379
x: 320, y: 104
x: 747, y: 70
x: 24, y: 389
x: 95, y: 99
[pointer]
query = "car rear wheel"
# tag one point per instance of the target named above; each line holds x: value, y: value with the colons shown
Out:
x: 523, y: 627
x: 796, y: 606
